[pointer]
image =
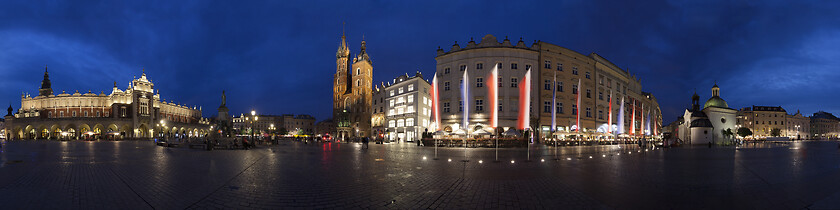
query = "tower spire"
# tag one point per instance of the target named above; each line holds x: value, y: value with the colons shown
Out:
x: 46, y: 86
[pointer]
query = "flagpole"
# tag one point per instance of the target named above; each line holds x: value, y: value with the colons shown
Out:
x: 465, y: 105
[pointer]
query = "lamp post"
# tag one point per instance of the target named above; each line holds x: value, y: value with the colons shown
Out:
x: 253, y: 119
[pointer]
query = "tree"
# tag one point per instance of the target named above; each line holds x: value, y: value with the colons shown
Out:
x: 283, y: 131
x: 727, y: 133
x: 744, y: 132
x: 776, y: 132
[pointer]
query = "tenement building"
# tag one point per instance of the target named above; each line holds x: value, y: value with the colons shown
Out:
x: 570, y: 95
x: 770, y: 121
x: 825, y: 125
x: 352, y: 92
x: 401, y: 108
x: 136, y: 112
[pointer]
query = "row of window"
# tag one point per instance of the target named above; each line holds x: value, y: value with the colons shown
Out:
x: 410, y: 88
x: 401, y: 123
x: 74, y: 114
x: 447, y: 70
x: 770, y: 122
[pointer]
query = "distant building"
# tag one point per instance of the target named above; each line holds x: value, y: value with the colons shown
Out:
x: 402, y: 108
x: 352, y: 92
x: 706, y: 125
x: 762, y: 120
x: 325, y: 127
x: 825, y: 125
x: 136, y: 112
x: 286, y: 124
x: 3, y: 126
x: 797, y: 126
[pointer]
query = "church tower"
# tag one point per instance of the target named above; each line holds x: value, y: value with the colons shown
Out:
x: 352, y: 92
x: 46, y: 87
x: 362, y: 83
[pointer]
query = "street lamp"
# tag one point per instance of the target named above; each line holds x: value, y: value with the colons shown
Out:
x: 253, y: 118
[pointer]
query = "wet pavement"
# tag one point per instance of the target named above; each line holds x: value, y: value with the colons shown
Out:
x: 140, y: 175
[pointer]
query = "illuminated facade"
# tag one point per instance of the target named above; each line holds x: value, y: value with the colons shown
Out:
x: 136, y: 112
x: 825, y: 125
x: 352, y: 93
x: 468, y: 73
x: 762, y: 120
x: 568, y: 90
x: 401, y: 108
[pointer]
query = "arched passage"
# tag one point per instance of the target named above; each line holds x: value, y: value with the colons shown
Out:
x: 142, y: 131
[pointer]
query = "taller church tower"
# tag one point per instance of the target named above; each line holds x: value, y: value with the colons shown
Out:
x: 352, y: 93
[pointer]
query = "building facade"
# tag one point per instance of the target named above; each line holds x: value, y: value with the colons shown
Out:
x: 762, y: 120
x: 580, y: 95
x: 136, y: 112
x: 474, y: 64
x: 352, y: 92
x: 286, y: 124
x: 797, y: 126
x: 825, y: 125
x: 402, y: 108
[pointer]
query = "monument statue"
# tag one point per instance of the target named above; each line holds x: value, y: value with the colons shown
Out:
x: 224, y: 98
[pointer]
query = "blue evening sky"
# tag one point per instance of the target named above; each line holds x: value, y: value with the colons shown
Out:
x: 279, y: 56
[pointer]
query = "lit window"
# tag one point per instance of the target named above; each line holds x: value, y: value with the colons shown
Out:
x: 410, y: 87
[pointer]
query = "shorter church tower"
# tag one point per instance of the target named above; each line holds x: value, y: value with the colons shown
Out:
x: 46, y: 87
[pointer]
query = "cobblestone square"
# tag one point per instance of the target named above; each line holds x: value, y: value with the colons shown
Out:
x: 141, y: 175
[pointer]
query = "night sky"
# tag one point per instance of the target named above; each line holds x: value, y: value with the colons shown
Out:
x: 278, y: 57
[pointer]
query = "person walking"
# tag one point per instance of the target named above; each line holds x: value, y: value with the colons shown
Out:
x: 365, y: 143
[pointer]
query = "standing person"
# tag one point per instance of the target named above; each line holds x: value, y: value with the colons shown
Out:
x: 245, y: 143
x: 365, y: 143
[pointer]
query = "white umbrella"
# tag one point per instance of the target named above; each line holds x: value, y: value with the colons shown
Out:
x: 481, y: 132
x: 512, y: 132
x: 460, y: 132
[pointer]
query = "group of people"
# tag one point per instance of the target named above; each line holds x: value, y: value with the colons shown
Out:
x: 246, y: 144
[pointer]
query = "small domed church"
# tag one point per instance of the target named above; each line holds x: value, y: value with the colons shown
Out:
x: 702, y: 126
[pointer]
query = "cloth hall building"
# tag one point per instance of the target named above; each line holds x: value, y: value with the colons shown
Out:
x: 136, y: 112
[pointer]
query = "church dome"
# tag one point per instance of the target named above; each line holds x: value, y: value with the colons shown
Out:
x: 716, y: 101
